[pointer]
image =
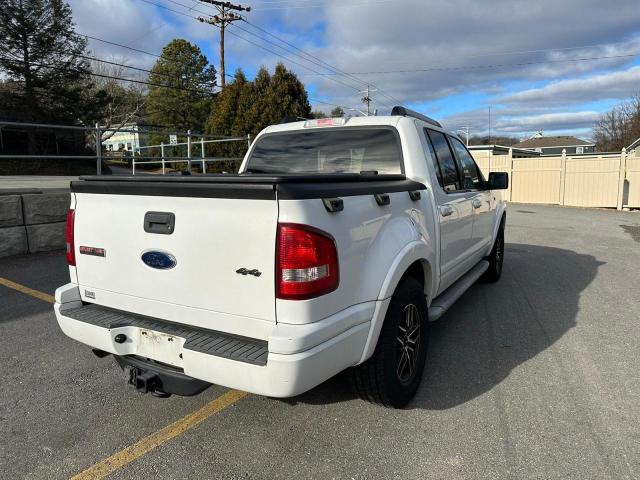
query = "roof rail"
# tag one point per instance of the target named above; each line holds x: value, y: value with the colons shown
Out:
x: 405, y: 112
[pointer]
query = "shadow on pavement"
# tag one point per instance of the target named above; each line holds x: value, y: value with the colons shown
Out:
x: 493, y: 328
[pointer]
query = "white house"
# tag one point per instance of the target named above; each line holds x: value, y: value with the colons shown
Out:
x: 131, y: 139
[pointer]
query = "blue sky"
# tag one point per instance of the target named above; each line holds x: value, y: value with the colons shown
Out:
x: 546, y: 65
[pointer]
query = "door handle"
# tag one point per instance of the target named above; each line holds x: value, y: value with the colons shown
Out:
x: 446, y: 210
x: 477, y: 203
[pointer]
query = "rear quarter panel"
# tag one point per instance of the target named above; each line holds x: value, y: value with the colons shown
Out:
x: 369, y: 239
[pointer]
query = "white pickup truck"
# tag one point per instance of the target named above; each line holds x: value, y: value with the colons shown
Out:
x: 331, y: 249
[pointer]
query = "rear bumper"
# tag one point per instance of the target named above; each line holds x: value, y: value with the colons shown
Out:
x: 299, y: 356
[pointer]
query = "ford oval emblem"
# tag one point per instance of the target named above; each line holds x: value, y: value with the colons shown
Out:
x: 159, y: 260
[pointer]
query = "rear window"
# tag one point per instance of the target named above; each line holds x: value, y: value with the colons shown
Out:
x: 339, y: 150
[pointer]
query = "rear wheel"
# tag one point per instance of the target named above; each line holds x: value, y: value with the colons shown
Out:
x: 496, y: 257
x: 392, y: 375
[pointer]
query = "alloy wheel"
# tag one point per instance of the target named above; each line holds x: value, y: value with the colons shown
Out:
x: 408, y: 343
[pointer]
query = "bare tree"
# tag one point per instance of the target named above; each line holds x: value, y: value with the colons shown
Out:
x: 125, y: 101
x: 619, y: 127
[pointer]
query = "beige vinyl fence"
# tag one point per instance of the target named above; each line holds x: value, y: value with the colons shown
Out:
x: 608, y: 180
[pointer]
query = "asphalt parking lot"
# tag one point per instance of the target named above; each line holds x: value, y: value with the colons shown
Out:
x: 536, y: 376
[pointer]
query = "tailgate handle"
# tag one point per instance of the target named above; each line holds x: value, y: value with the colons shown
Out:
x: 159, y: 222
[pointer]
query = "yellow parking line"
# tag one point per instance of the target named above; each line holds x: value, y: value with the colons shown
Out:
x: 148, y: 443
x: 28, y: 291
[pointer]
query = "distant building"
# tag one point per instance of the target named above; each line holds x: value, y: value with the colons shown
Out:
x: 555, y: 145
x: 483, y: 151
x: 131, y: 140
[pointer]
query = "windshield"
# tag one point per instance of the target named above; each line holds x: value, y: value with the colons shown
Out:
x: 336, y: 150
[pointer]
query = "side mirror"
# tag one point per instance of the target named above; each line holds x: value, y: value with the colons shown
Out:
x: 498, y: 181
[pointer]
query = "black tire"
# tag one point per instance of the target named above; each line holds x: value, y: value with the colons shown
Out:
x: 382, y: 379
x: 496, y: 257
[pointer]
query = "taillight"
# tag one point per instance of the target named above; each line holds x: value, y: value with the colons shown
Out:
x: 71, y: 251
x: 306, y: 262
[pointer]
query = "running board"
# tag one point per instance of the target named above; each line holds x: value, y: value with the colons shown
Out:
x: 446, y: 299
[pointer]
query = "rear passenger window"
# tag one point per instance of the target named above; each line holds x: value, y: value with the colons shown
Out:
x: 434, y: 159
x: 450, y: 181
x: 471, y: 176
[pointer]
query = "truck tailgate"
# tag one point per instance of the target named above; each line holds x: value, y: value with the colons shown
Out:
x: 213, y: 238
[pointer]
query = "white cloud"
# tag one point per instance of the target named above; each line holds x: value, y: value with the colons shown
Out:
x: 133, y: 23
x: 549, y: 121
x: 467, y: 33
x: 598, y: 87
x: 503, y: 41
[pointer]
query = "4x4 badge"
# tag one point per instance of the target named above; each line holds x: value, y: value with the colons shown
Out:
x: 244, y: 271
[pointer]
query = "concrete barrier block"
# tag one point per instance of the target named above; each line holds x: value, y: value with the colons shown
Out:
x: 10, y: 211
x: 48, y: 236
x: 45, y: 208
x: 13, y: 241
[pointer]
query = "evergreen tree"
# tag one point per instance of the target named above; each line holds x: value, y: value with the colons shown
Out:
x: 40, y: 57
x: 185, y: 101
x: 258, y: 114
x: 226, y: 116
x: 337, y: 112
x: 248, y: 107
x: 286, y: 96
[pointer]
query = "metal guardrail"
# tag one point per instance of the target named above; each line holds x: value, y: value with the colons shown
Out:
x: 189, y: 162
x: 189, y: 158
x: 98, y: 131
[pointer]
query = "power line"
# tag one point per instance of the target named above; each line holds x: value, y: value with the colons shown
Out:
x: 125, y: 66
x: 285, y: 57
x: 318, y: 61
x: 542, y: 50
x: 258, y: 45
x: 267, y: 41
x: 119, y: 45
x: 315, y: 100
x: 158, y: 56
x: 113, y: 77
x: 170, y: 9
x: 324, y: 5
x: 245, y: 39
x: 128, y: 47
x: 497, y: 65
x: 322, y: 62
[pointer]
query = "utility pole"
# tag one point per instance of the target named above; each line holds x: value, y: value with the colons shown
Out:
x: 465, y: 130
x: 367, y: 98
x: 224, y: 18
x: 489, y: 124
